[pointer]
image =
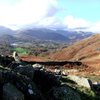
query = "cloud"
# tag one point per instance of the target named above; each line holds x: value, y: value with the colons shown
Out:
x: 74, y: 23
x: 95, y: 27
x: 52, y: 8
x: 27, y: 11
x: 49, y: 21
x: 80, y: 24
x: 41, y: 13
x: 51, y: 11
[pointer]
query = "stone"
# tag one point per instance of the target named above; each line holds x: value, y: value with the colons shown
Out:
x: 10, y: 92
x: 81, y: 81
x: 63, y: 93
x: 16, y: 57
x: 57, y: 71
x: 38, y: 66
x: 24, y: 84
x: 25, y: 70
x: 45, y: 80
x: 63, y: 73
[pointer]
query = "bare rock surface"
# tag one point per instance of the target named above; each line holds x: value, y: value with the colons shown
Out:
x: 80, y: 80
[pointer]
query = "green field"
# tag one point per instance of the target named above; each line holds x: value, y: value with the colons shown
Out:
x: 20, y: 51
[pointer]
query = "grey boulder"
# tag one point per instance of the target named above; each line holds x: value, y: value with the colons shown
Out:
x: 10, y: 92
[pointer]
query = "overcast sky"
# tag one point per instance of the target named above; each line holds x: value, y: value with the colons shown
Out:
x: 72, y: 14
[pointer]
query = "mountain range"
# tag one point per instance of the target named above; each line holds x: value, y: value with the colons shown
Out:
x: 42, y: 34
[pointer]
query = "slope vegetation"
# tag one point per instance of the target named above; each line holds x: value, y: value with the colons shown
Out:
x: 86, y: 51
x: 88, y: 48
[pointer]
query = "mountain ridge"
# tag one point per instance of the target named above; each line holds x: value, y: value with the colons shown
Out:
x: 5, y: 30
x: 42, y: 34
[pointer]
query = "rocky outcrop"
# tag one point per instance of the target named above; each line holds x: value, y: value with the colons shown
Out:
x: 41, y: 86
x: 22, y: 81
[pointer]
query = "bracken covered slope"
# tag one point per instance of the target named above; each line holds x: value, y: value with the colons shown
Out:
x: 85, y: 49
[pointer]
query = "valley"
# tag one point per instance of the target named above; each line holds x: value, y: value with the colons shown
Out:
x: 49, y: 53
x: 49, y: 49
x: 40, y: 45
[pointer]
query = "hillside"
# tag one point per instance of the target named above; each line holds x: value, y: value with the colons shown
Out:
x: 83, y: 49
x: 5, y: 30
x: 7, y: 38
x: 86, y: 51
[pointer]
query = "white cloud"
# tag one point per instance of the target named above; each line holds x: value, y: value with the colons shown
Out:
x: 95, y: 27
x: 72, y: 22
x: 27, y: 11
x: 49, y: 21
x: 80, y: 24
x: 41, y: 13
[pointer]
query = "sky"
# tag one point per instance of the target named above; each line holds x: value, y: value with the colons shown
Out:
x: 70, y: 14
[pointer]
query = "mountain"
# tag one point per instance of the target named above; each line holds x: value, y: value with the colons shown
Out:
x: 74, y: 35
x: 41, y: 34
x: 50, y: 34
x: 83, y: 50
x: 7, y: 38
x: 4, y: 30
x: 6, y: 35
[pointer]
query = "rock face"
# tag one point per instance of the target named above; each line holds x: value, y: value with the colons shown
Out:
x: 10, y: 92
x: 80, y: 81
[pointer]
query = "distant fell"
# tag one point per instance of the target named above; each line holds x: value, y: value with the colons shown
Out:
x: 44, y: 34
x: 5, y: 30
